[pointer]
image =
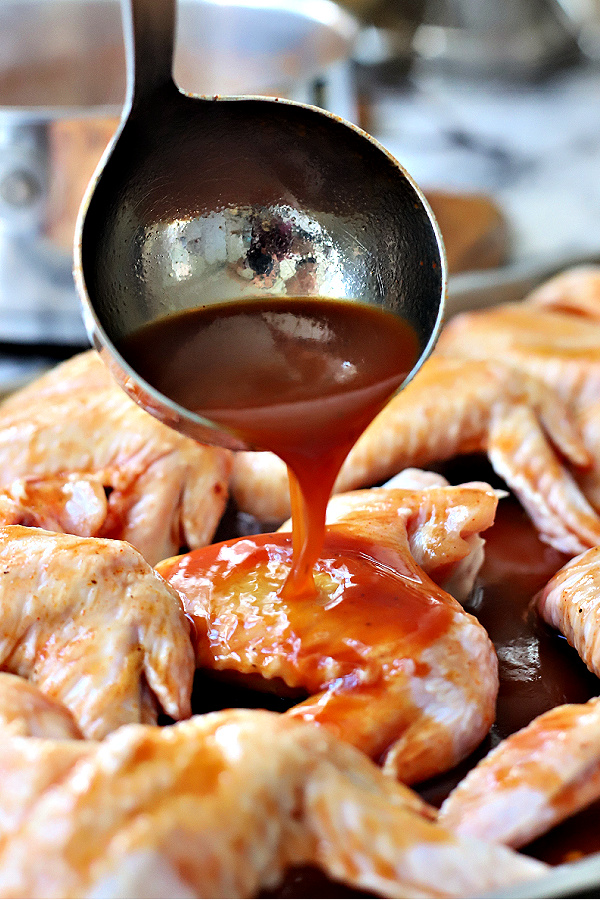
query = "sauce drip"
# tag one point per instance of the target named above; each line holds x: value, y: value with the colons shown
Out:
x: 302, y: 377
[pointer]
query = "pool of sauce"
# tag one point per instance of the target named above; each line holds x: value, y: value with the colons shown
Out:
x: 302, y: 377
x: 538, y: 669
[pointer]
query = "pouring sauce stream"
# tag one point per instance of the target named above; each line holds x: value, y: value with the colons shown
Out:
x: 302, y: 377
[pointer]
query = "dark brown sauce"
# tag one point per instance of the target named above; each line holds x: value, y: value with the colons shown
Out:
x: 538, y: 669
x: 308, y: 881
x: 302, y: 377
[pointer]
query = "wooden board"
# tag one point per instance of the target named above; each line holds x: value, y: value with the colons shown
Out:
x: 474, y: 229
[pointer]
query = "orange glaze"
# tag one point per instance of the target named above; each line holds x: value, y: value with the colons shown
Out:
x: 353, y: 648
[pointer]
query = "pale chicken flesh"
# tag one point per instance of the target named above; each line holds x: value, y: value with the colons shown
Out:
x: 531, y: 781
x: 570, y: 602
x: 558, y: 346
x: 26, y: 712
x: 553, y: 335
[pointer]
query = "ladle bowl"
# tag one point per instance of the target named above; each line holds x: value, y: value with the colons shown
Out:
x: 204, y: 200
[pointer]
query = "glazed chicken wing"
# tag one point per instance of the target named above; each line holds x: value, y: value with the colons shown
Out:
x: 390, y: 661
x: 222, y: 805
x: 92, y: 625
x: 78, y: 455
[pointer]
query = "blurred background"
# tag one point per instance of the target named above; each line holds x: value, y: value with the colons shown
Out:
x: 493, y: 108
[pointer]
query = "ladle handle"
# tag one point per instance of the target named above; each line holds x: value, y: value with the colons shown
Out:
x: 149, y: 31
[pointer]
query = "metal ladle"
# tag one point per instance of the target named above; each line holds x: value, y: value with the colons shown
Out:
x: 203, y: 200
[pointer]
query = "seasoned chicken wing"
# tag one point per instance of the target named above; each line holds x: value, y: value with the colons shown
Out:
x: 554, y: 336
x: 222, y: 805
x: 78, y: 455
x: 456, y: 573
x: 452, y: 407
x: 390, y: 661
x: 533, y: 780
x: 443, y: 523
x: 26, y: 712
x: 93, y: 625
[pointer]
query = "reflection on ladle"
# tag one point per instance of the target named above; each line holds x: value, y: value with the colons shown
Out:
x: 257, y: 273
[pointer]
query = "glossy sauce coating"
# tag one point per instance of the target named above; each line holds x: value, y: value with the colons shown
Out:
x: 323, y: 645
x: 302, y: 377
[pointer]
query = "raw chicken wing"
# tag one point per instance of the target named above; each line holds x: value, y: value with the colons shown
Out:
x: 26, y: 712
x: 78, y: 455
x: 556, y: 346
x: 533, y: 780
x: 443, y: 522
x: 92, y: 625
x: 570, y: 602
x: 29, y: 766
x: 576, y: 290
x: 554, y: 336
x: 222, y: 805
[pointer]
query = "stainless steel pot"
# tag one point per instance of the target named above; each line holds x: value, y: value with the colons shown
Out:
x: 62, y: 85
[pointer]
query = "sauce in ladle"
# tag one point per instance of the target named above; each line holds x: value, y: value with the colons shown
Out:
x: 302, y: 377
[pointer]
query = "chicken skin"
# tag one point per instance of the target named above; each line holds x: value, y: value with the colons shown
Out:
x: 92, y: 625
x: 553, y: 335
x: 575, y: 290
x: 78, y: 455
x: 222, y: 805
x: 558, y: 346
x: 570, y: 602
x: 26, y: 712
x: 390, y: 662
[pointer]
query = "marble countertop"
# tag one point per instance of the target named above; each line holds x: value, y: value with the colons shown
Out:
x: 533, y: 147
